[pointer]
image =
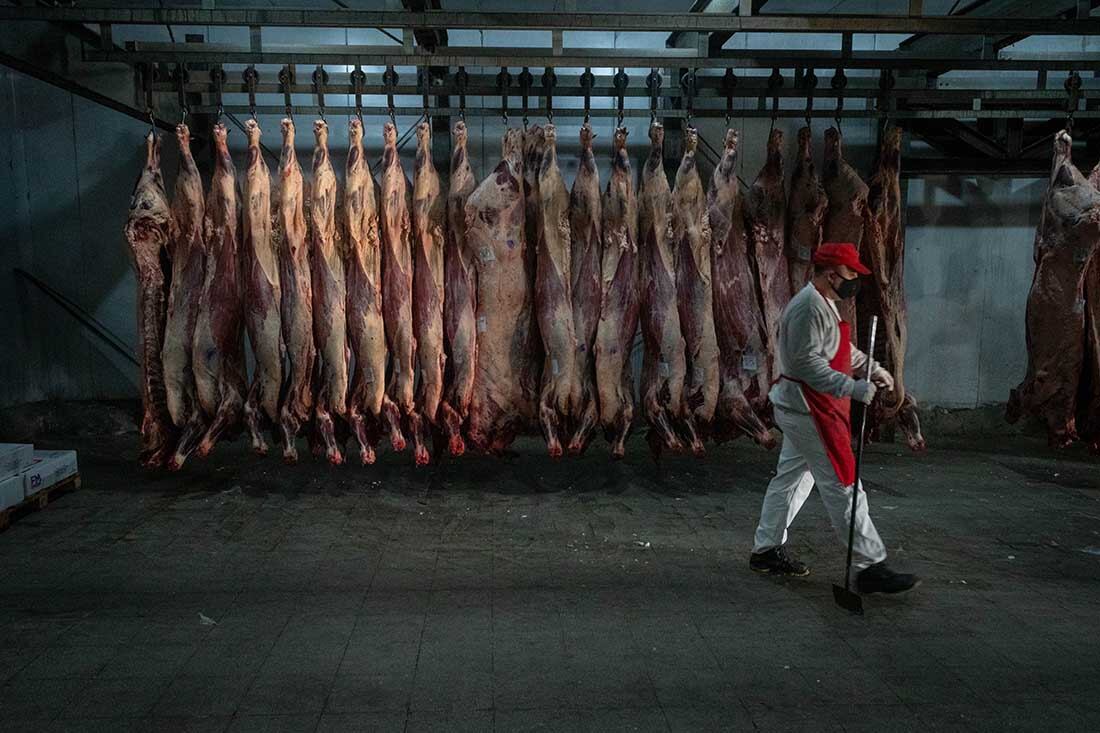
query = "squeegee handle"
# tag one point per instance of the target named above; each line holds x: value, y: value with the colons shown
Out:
x: 859, y: 455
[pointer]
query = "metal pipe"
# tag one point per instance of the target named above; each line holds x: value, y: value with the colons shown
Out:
x: 631, y: 58
x: 652, y: 22
x: 666, y: 113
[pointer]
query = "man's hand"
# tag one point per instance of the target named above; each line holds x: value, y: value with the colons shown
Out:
x: 864, y: 391
x: 883, y: 379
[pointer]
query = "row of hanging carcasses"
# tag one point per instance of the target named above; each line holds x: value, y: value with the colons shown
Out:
x: 454, y: 314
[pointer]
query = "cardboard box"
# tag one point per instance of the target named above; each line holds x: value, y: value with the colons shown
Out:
x: 15, y: 458
x: 50, y: 467
x: 11, y: 491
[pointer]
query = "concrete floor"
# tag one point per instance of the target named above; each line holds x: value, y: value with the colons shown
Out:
x: 523, y: 594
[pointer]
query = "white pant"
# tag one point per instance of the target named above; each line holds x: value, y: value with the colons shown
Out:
x: 802, y: 464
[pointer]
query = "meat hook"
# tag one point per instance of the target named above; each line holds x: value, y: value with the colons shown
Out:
x: 549, y: 81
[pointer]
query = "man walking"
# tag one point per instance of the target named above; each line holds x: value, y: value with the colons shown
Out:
x: 812, y: 401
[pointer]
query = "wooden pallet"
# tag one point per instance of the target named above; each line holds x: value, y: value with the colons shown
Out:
x: 38, y: 501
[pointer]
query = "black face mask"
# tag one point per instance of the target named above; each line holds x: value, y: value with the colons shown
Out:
x: 847, y: 288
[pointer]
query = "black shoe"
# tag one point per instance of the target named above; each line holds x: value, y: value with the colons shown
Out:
x: 776, y: 561
x: 880, y: 579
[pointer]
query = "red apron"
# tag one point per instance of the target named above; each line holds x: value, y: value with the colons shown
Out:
x: 832, y: 414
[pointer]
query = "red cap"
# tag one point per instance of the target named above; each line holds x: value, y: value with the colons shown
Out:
x: 840, y: 253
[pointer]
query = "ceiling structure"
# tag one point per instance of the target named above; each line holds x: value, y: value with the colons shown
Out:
x: 996, y: 127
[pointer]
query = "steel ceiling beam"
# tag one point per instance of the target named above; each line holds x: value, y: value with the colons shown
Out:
x: 989, y: 9
x: 534, y: 21
x: 454, y: 56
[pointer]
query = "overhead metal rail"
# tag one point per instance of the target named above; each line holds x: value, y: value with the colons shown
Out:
x: 562, y: 112
x: 631, y: 58
x: 541, y: 21
x: 706, y: 87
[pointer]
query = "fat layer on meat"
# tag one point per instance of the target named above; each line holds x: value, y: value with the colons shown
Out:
x: 262, y: 294
x: 295, y: 284
x: 561, y: 389
x: 329, y: 297
x: 1065, y: 242
x: 188, y: 251
x: 397, y: 285
x: 619, y: 300
x: 147, y: 234
x: 502, y: 402
x: 429, y: 222
x: 366, y: 333
x: 459, y: 298
x: 218, y: 351
x: 586, y: 252
x: 739, y: 325
x: 664, y: 365
x: 694, y: 295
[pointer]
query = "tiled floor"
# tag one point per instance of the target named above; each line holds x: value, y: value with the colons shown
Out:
x: 523, y: 594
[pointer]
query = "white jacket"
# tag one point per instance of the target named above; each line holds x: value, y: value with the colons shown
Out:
x: 809, y: 334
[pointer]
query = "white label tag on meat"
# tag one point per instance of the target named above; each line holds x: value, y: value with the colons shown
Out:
x: 748, y: 362
x: 482, y: 324
x: 1079, y: 306
x: 804, y: 253
x: 368, y: 375
x: 697, y: 374
x: 663, y: 369
x: 554, y: 368
x: 486, y: 254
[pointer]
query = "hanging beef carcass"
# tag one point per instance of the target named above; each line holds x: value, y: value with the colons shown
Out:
x: 561, y: 388
x: 329, y: 297
x: 806, y: 206
x: 1067, y: 238
x: 664, y: 363
x: 534, y: 142
x: 459, y: 298
x: 739, y: 325
x: 766, y: 211
x: 847, y: 218
x: 218, y: 351
x: 262, y: 294
x: 691, y: 235
x: 397, y: 286
x: 584, y: 260
x: 1088, y: 401
x: 619, y: 300
x: 297, y: 297
x: 366, y: 333
x: 503, y: 401
x: 429, y: 220
x: 883, y: 293
x: 188, y: 251
x: 147, y: 234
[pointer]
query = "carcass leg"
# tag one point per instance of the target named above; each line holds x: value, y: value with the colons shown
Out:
x: 418, y: 429
x: 392, y: 414
x: 621, y: 431
x: 452, y: 426
x: 291, y: 424
x: 358, y: 423
x: 658, y: 417
x: 588, y: 421
x: 548, y: 418
x: 327, y: 430
x: 253, y: 418
x: 189, y: 438
x: 229, y: 413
